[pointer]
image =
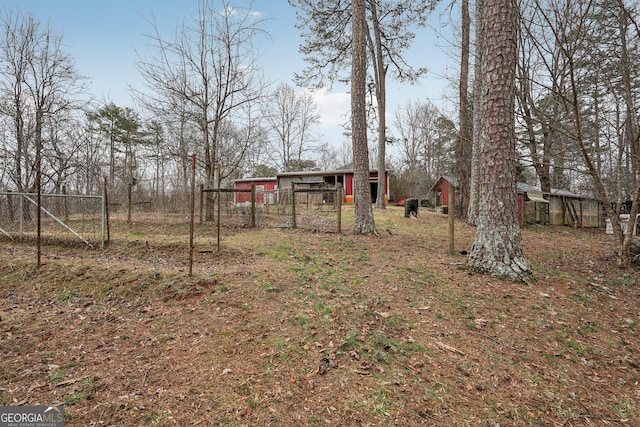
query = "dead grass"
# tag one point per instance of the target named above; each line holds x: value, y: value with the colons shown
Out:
x: 295, y: 328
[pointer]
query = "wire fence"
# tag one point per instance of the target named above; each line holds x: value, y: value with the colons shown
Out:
x: 64, y: 218
x: 310, y: 209
x: 89, y: 220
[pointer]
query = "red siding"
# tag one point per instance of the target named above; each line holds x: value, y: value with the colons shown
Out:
x: 348, y: 188
x: 443, y: 186
x: 241, y: 198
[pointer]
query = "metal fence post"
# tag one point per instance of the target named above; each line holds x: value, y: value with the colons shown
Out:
x: 293, y: 205
x: 201, y: 205
x: 253, y: 205
x: 21, y: 216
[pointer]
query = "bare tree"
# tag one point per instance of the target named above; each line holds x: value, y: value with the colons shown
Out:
x: 39, y: 81
x: 595, y: 98
x: 424, y: 142
x: 238, y: 139
x: 66, y: 137
x: 539, y: 107
x: 328, y: 157
x: 628, y: 22
x: 17, y: 51
x: 289, y: 117
x: 497, y: 248
x: 210, y: 65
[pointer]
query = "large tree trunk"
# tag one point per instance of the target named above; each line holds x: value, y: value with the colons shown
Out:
x: 464, y: 137
x: 474, y: 196
x: 364, y: 223
x: 632, y: 134
x: 380, y: 73
x: 497, y: 248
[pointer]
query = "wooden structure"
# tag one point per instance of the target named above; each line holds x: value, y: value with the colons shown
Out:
x: 566, y: 208
x: 265, y: 190
x: 331, y: 179
x: 533, y: 208
x: 558, y: 207
x: 441, y: 192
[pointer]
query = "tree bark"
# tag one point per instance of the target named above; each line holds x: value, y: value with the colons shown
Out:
x: 380, y: 76
x: 632, y: 134
x: 464, y: 137
x: 474, y: 197
x: 364, y: 223
x: 497, y: 248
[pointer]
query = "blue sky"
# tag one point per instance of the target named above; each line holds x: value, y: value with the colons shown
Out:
x: 103, y: 37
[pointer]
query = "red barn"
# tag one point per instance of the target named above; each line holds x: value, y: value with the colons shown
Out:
x: 265, y: 190
x: 343, y: 177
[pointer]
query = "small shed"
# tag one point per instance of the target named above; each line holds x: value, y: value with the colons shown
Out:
x: 558, y: 207
x: 441, y: 192
x: 567, y: 208
x: 533, y: 208
x: 265, y: 190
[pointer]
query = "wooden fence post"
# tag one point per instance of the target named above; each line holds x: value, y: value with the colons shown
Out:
x: 451, y: 203
x: 106, y: 212
x: 339, y: 207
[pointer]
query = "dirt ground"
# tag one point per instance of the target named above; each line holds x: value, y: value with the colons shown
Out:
x: 293, y: 328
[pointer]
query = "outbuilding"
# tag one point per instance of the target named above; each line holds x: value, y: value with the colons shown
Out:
x: 440, y: 191
x: 333, y: 178
x: 557, y: 207
x: 266, y: 190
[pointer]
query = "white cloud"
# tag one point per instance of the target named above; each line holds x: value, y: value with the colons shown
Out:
x: 333, y: 107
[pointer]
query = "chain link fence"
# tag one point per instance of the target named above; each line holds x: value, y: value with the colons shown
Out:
x: 64, y: 218
x: 312, y: 209
x: 78, y: 219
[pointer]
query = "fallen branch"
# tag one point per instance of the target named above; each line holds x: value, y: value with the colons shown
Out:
x: 449, y: 348
x: 594, y: 417
x: 144, y: 380
x: 497, y: 341
x: 72, y: 381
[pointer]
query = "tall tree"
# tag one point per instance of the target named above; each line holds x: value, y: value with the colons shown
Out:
x: 497, y: 248
x: 121, y: 128
x: 478, y: 96
x: 389, y: 33
x: 424, y: 143
x: 628, y: 22
x: 39, y: 81
x: 464, y: 143
x: 364, y: 221
x: 43, y: 82
x: 539, y: 109
x: 289, y: 117
x: 17, y: 51
x: 587, y: 97
x: 210, y: 66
